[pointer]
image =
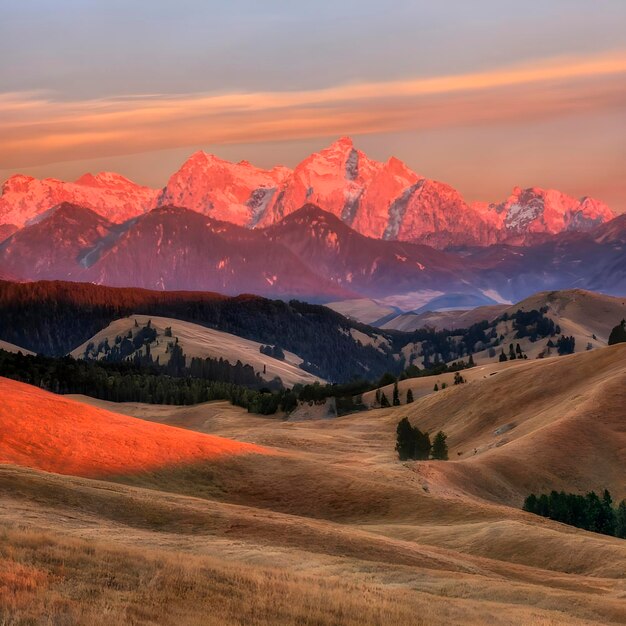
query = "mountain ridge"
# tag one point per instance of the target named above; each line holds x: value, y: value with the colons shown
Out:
x: 311, y: 254
x: 383, y: 200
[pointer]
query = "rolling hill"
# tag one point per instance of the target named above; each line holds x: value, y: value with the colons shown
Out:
x: 202, y: 342
x: 53, y: 318
x: 440, y: 320
x: 328, y: 500
x: 11, y: 347
x: 47, y: 432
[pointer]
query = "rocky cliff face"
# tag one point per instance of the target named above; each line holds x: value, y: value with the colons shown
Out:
x: 379, y: 200
x: 234, y: 192
x: 24, y: 199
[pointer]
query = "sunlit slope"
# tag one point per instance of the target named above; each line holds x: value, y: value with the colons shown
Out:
x: 48, y: 432
x: 541, y: 425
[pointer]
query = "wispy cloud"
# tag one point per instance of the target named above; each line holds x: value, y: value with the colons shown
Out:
x: 37, y: 128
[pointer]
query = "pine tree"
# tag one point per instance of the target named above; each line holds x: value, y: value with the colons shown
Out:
x: 471, y: 361
x: 384, y: 403
x: 409, y: 396
x: 503, y: 356
x: 405, y: 439
x: 396, y: 394
x: 620, y: 520
x: 422, y: 445
x: 378, y: 396
x: 530, y: 503
x: 607, y: 520
x: 618, y: 334
x: 440, y: 447
x: 436, y: 387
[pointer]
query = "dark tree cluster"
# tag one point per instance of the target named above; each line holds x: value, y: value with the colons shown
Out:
x: 566, y: 345
x: 514, y: 353
x: 123, y: 347
x: 533, y: 324
x: 618, y: 334
x: 589, y: 512
x: 275, y: 352
x: 413, y: 444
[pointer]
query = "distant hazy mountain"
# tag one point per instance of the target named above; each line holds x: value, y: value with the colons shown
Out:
x: 311, y: 255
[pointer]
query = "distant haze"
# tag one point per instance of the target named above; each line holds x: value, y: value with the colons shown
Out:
x: 482, y: 95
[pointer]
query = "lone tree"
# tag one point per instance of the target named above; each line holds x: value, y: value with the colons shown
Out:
x: 396, y: 394
x: 440, y: 447
x: 384, y: 403
x: 409, y: 396
x: 618, y: 334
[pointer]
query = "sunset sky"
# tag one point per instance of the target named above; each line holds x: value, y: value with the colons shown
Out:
x: 484, y: 95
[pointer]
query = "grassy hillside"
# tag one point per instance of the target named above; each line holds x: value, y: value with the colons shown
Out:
x: 199, y: 341
x: 260, y: 537
x: 45, y: 431
x: 54, y: 318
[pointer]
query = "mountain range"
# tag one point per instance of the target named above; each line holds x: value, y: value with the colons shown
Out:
x: 310, y: 254
x: 379, y: 200
x: 339, y: 226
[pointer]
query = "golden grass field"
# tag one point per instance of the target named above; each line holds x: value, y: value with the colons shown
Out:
x: 327, y: 527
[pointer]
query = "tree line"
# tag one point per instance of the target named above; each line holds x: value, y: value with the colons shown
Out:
x: 589, y: 512
x: 132, y: 382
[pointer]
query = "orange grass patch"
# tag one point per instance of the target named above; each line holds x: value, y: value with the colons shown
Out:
x: 44, y: 431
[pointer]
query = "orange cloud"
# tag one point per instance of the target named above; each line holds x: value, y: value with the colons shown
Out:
x: 38, y: 130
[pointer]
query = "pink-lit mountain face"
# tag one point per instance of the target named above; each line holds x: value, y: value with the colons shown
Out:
x: 24, y: 199
x: 379, y: 200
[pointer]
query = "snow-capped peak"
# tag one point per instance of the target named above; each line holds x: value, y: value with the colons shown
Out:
x: 380, y: 200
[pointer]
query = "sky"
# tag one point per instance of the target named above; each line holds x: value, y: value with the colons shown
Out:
x: 483, y: 95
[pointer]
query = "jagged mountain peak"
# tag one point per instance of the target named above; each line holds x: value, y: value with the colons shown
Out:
x: 105, y: 179
x: 384, y: 200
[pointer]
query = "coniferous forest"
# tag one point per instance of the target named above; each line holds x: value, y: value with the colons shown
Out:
x: 590, y: 512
